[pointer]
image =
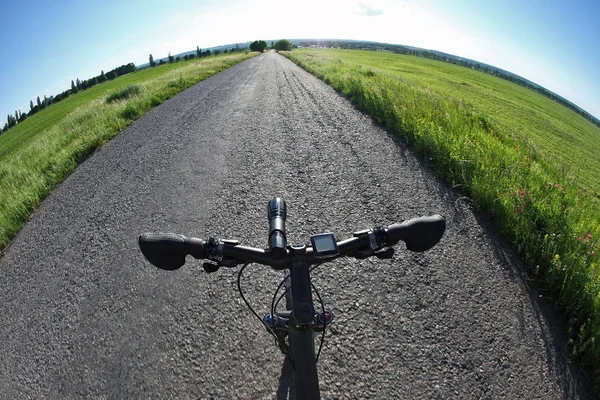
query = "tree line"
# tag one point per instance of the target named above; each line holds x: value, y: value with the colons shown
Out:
x: 190, y: 56
x: 76, y: 86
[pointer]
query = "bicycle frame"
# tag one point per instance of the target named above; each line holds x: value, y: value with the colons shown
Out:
x: 306, y: 381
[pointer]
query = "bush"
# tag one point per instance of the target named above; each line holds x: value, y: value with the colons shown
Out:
x: 126, y: 93
x: 258, y: 45
x: 283, y: 45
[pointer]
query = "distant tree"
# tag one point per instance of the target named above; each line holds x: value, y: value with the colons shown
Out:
x: 73, y: 87
x: 217, y: 52
x: 237, y: 48
x: 178, y: 58
x: 271, y: 44
x: 94, y: 81
x: 45, y: 102
x: 225, y: 51
x: 103, y: 77
x: 191, y: 56
x: 283, y: 45
x: 30, y: 105
x: 186, y: 57
x: 151, y: 59
x: 39, y: 103
x: 258, y: 45
x: 22, y: 116
x: 111, y: 75
x: 198, y: 52
x: 171, y: 58
x: 161, y: 62
x: 11, y: 121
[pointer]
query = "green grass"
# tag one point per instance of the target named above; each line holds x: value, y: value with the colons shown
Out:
x: 43, y: 150
x: 524, y: 160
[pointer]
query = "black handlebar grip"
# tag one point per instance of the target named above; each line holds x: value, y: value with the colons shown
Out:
x: 168, y: 250
x: 276, y: 212
x: 419, y: 234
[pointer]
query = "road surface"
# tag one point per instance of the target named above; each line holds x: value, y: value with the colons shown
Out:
x: 85, y: 316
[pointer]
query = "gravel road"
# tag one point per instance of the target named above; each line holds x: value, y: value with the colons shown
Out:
x: 85, y: 316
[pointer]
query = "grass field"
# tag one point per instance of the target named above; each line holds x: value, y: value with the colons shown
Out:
x: 524, y: 160
x: 43, y: 150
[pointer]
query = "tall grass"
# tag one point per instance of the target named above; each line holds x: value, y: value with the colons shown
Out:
x: 42, y: 151
x: 553, y: 223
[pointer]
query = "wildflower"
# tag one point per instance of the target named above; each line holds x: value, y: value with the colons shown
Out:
x: 593, y: 253
x: 519, y: 210
x: 557, y: 185
x: 589, y: 235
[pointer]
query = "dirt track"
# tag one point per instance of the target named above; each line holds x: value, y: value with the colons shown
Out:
x: 84, y: 315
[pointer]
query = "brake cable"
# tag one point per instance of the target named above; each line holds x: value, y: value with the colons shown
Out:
x: 269, y: 329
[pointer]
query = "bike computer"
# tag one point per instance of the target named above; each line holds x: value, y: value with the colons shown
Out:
x: 324, y: 245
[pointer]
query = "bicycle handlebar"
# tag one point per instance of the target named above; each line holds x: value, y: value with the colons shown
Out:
x: 168, y: 250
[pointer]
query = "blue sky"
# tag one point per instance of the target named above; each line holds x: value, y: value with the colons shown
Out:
x: 46, y: 44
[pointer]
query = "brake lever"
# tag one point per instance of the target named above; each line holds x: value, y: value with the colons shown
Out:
x: 209, y: 267
x: 226, y: 262
x: 385, y: 254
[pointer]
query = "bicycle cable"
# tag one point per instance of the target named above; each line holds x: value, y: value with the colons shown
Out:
x: 280, y: 343
x: 274, y: 305
x: 239, y: 286
x: 324, y: 324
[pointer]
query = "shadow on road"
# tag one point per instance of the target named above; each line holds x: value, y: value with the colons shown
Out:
x: 285, y: 390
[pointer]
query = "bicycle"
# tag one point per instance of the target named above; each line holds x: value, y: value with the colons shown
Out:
x: 294, y: 329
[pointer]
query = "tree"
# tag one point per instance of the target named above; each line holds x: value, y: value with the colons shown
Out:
x: 45, y: 102
x: 171, y: 58
x: 198, y: 52
x: 152, y: 63
x: 258, y: 45
x: 11, y: 121
x: 111, y: 75
x: 103, y: 77
x: 283, y: 45
x: 78, y: 84
x: 39, y: 102
x: 30, y: 105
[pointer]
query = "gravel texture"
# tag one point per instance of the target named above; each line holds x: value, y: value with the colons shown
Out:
x: 85, y: 316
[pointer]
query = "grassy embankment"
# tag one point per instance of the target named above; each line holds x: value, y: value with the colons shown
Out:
x: 43, y: 150
x: 527, y: 162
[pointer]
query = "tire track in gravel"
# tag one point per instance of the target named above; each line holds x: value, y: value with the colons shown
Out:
x: 85, y: 316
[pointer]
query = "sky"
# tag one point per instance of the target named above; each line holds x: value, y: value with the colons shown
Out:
x: 48, y: 43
